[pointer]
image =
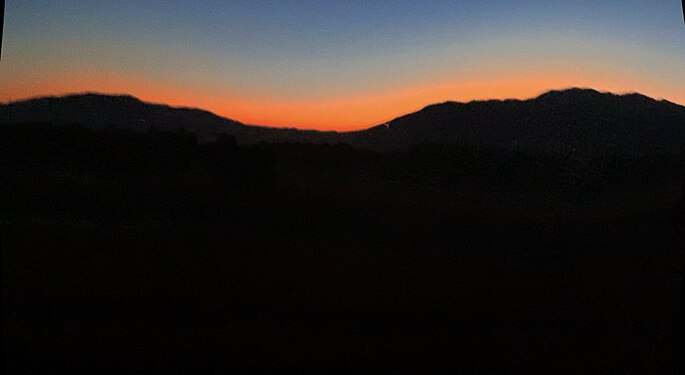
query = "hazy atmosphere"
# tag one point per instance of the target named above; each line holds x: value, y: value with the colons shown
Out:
x: 339, y: 65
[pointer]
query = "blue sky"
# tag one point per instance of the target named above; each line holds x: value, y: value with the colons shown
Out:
x: 239, y: 58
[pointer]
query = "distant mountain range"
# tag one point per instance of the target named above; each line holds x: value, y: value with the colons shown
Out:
x: 569, y: 122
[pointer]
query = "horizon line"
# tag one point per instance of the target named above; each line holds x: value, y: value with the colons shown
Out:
x: 197, y: 108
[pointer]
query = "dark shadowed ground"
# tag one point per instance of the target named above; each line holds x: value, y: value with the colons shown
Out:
x: 129, y: 251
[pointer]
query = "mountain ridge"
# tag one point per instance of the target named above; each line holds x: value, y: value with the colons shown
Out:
x: 554, y: 121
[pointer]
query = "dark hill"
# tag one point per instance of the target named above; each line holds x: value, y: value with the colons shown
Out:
x: 574, y: 122
x: 127, y: 249
x: 570, y: 122
x: 98, y: 111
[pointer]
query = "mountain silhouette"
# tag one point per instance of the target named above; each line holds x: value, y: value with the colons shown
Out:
x: 572, y: 122
x: 562, y: 122
x: 545, y: 227
x: 97, y: 111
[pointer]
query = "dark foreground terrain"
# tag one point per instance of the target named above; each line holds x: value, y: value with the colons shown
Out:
x: 126, y: 251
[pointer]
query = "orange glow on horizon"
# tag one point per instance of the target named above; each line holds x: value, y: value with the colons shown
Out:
x: 338, y: 113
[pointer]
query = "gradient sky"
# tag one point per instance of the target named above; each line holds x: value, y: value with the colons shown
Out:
x: 339, y: 64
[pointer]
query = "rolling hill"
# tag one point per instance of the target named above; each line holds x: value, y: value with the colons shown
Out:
x: 573, y: 122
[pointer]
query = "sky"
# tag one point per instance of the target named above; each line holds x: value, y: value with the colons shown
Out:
x: 339, y: 65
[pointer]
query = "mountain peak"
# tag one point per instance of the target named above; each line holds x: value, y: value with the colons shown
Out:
x: 574, y: 92
x: 98, y: 111
x: 588, y: 93
x: 80, y: 97
x: 569, y: 93
x: 101, y: 96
